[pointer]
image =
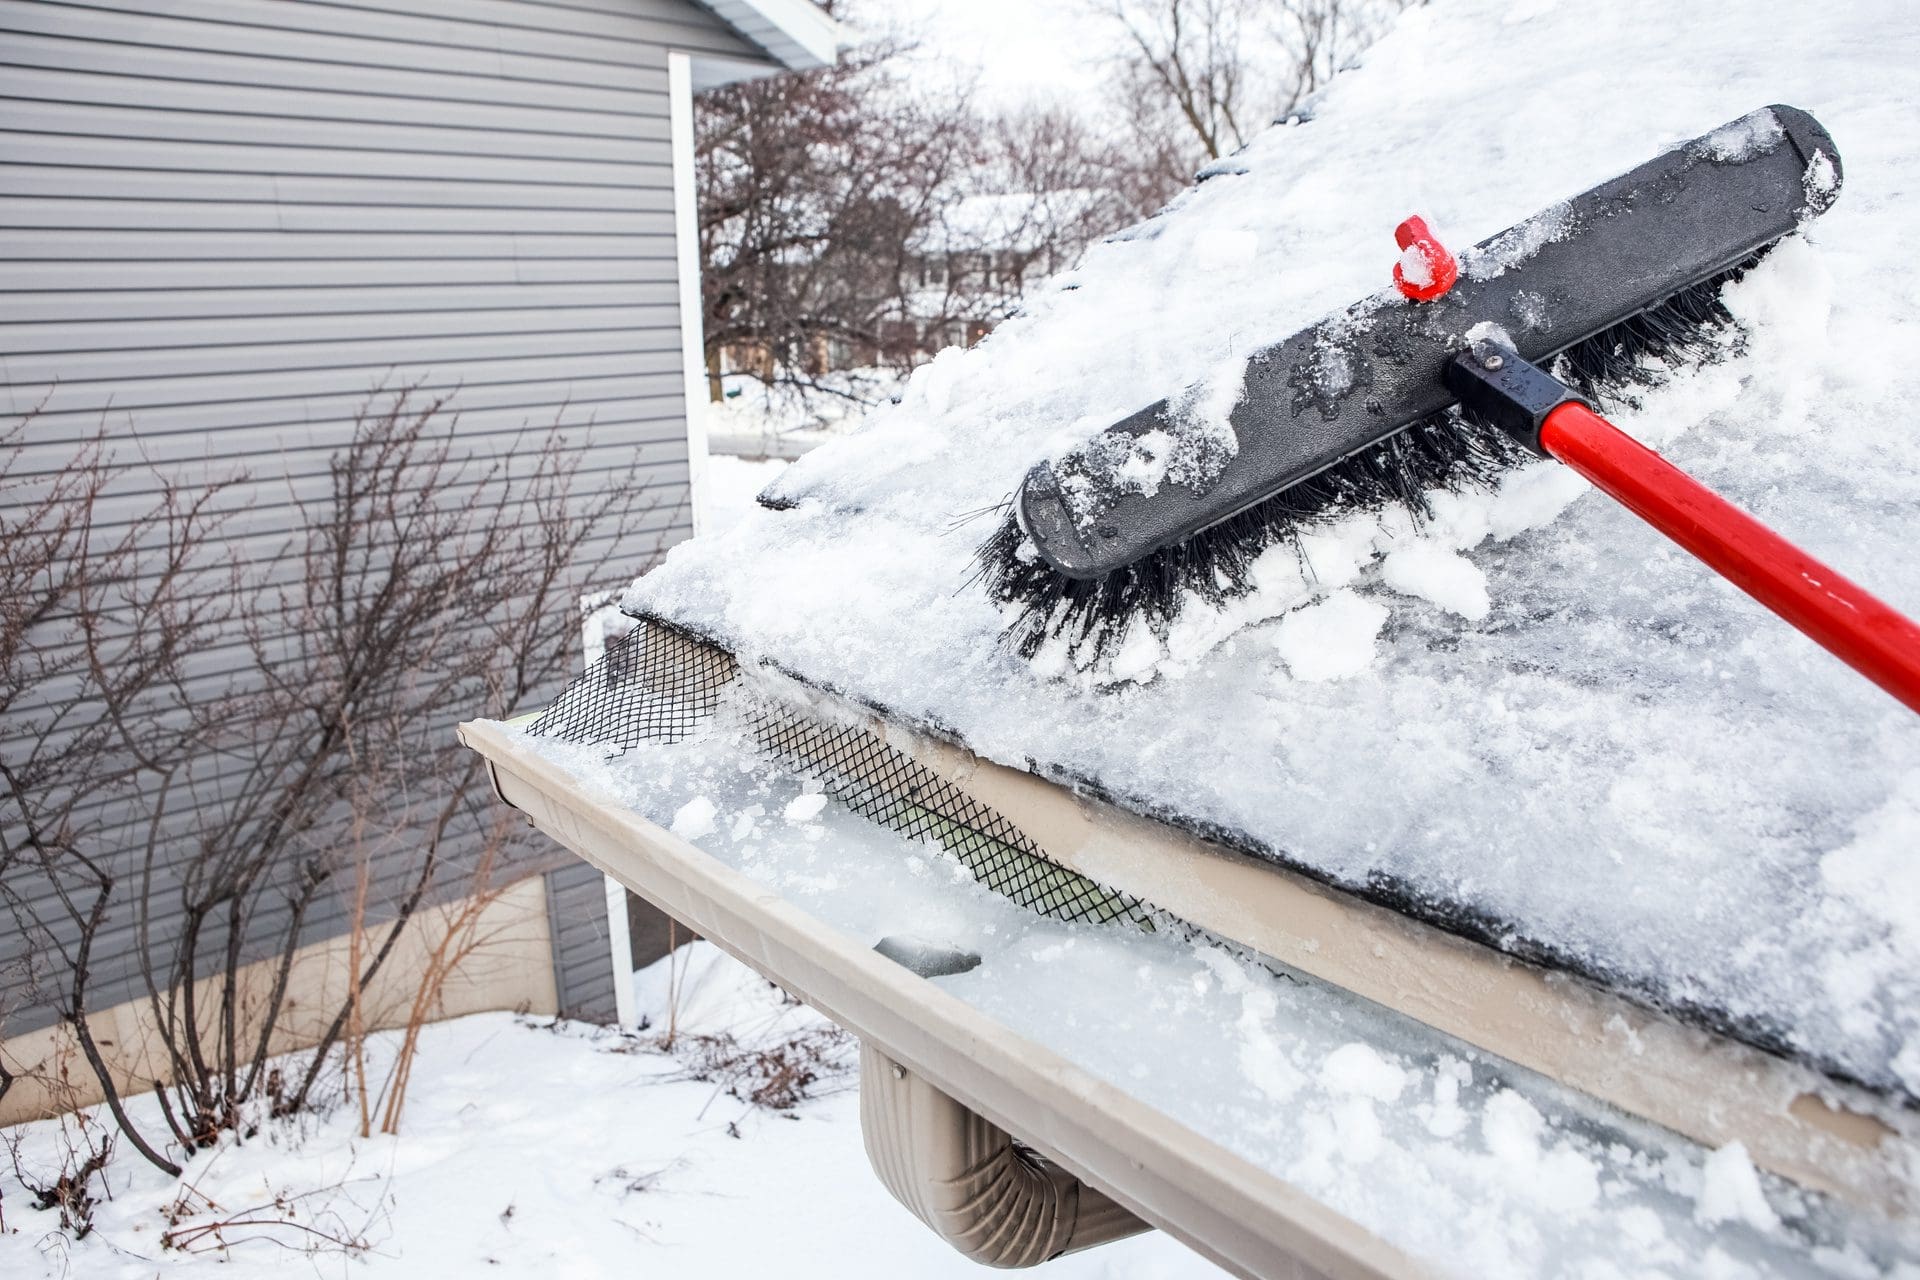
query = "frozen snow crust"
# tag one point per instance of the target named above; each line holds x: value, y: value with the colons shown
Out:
x: 1531, y: 720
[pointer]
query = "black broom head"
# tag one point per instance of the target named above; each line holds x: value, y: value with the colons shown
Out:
x: 1084, y: 553
x: 1446, y: 450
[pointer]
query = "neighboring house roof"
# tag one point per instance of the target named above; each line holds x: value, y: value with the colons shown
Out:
x: 798, y: 34
x: 1554, y: 732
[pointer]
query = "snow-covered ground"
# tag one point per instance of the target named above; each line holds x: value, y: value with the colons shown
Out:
x: 547, y: 1152
x: 753, y: 418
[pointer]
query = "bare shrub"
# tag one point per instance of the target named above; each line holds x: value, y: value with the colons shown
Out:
x: 71, y: 1190
x: 459, y: 927
x: 95, y: 630
x: 306, y: 1222
x: 82, y: 1148
x: 423, y: 582
x: 778, y: 1075
x: 766, y: 1062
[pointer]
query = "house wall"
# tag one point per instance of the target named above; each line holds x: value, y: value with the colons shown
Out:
x: 509, y: 969
x: 224, y: 224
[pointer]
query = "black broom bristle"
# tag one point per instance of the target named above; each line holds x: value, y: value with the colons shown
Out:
x: 1447, y: 451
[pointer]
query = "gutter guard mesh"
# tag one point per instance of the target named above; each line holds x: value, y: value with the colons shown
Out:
x: 659, y: 684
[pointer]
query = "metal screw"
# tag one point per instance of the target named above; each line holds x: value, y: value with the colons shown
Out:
x: 1493, y: 360
x: 899, y: 1072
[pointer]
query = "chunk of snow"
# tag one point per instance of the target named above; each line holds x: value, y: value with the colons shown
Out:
x: 1756, y: 133
x: 1555, y: 1175
x: 1331, y: 368
x: 933, y: 382
x: 1435, y: 574
x: 1202, y: 416
x: 1358, y: 1125
x: 1511, y: 1128
x: 805, y: 808
x: 1730, y: 1191
x: 694, y: 819
x: 1517, y: 244
x: 1531, y: 498
x: 1358, y: 1069
x: 1145, y: 466
x: 1447, y: 1118
x: 1263, y: 1056
x: 1529, y: 308
x: 1486, y: 332
x: 1822, y: 179
x: 1138, y: 656
x: 1415, y: 268
x: 1330, y: 639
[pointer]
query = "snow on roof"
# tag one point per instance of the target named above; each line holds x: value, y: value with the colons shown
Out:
x: 1532, y: 720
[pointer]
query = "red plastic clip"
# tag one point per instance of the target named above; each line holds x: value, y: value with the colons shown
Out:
x: 1426, y: 270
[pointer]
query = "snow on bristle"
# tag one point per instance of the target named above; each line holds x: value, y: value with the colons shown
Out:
x: 1444, y: 451
x: 1092, y: 615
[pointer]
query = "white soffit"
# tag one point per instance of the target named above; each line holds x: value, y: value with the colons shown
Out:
x: 798, y: 33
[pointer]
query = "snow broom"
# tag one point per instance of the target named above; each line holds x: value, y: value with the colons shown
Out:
x: 1471, y: 367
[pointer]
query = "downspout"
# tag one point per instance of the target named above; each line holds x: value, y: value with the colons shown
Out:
x: 966, y: 1178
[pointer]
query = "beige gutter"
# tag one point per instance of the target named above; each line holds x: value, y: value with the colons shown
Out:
x: 1792, y: 1120
x: 1140, y: 1160
x: 969, y: 1181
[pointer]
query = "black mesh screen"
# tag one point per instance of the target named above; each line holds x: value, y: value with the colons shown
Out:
x: 654, y: 684
x: 657, y: 684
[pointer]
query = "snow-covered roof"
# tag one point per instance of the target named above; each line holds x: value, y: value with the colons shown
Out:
x: 1532, y: 720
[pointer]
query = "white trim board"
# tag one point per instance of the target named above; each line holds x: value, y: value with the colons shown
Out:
x: 686, y: 236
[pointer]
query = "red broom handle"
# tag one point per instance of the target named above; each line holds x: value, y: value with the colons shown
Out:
x: 1862, y: 631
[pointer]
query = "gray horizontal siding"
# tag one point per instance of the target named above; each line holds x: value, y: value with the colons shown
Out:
x: 615, y: 436
x: 33, y: 213
x: 609, y: 115
x: 629, y: 374
x: 78, y: 123
x: 305, y: 31
x: 294, y: 67
x: 584, y: 972
x: 130, y: 306
x: 642, y: 443
x: 318, y: 352
x: 226, y: 224
x: 592, y: 399
x: 501, y: 267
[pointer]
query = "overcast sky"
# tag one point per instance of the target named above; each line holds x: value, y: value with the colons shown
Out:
x: 1019, y: 49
